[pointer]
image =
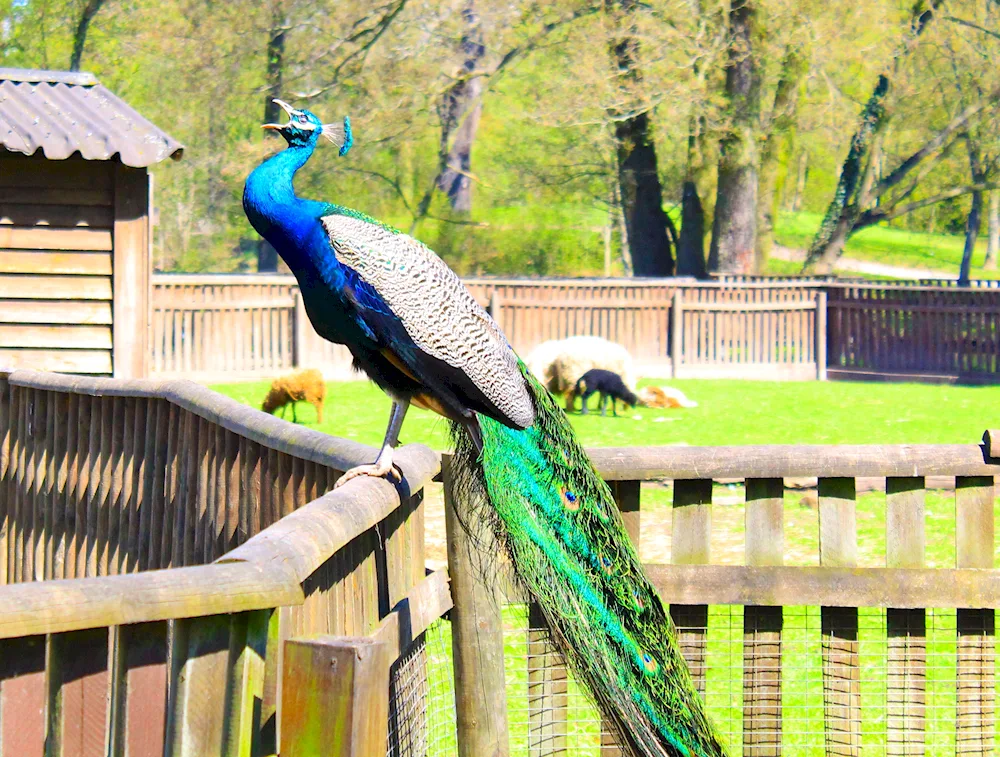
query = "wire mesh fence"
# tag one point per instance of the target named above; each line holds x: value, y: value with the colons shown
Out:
x: 825, y: 681
x: 422, y: 698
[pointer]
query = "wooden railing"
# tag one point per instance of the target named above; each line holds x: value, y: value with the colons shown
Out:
x: 767, y: 639
x: 232, y: 327
x: 918, y: 332
x: 163, y: 547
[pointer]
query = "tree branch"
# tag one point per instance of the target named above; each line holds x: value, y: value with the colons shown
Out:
x: 972, y: 25
x: 958, y: 122
x: 878, y: 215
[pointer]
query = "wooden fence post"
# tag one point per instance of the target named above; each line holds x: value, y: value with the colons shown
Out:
x: 300, y: 333
x: 975, y: 726
x: 476, y: 635
x: 676, y: 319
x: 906, y: 628
x: 838, y: 548
x: 690, y: 544
x: 820, y: 345
x: 493, y: 308
x: 762, y: 625
x: 335, y: 697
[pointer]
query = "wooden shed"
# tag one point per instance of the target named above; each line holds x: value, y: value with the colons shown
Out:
x: 74, y: 224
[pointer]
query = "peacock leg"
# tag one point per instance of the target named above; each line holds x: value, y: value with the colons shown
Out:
x: 383, y: 467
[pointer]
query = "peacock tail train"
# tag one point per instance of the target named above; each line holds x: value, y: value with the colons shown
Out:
x: 568, y: 546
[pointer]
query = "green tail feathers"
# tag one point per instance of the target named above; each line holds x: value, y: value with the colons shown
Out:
x: 565, y: 538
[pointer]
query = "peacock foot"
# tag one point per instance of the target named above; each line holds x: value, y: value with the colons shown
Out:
x: 390, y: 472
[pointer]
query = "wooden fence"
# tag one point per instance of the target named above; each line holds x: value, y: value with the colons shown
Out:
x: 219, y: 327
x: 943, y: 333
x: 163, y: 548
x: 831, y: 658
x: 226, y: 327
x: 168, y: 558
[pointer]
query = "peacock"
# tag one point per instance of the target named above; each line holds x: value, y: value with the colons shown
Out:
x: 420, y: 335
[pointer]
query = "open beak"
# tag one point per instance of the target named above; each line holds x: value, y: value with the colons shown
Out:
x: 289, y: 111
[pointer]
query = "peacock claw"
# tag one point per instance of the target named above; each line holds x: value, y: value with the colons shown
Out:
x: 390, y: 472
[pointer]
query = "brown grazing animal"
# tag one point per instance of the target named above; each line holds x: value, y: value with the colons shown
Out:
x: 301, y: 386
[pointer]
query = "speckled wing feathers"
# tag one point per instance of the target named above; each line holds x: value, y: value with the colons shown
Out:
x: 440, y: 315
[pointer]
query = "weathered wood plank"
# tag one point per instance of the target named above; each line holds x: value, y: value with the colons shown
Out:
x: 33, y: 214
x: 131, y: 272
x: 839, y: 625
x: 55, y: 606
x: 59, y: 337
x: 335, y: 694
x: 975, y: 725
x: 22, y: 697
x: 832, y: 587
x: 39, y: 287
x: 691, y: 535
x: 62, y: 361
x: 47, y: 263
x: 477, y: 637
x: 56, y: 312
x: 78, y: 689
x: 765, y: 542
x: 45, y: 238
x: 140, y: 695
x: 906, y: 666
x: 762, y: 680
x: 91, y: 197
x: 246, y: 683
x: 792, y: 461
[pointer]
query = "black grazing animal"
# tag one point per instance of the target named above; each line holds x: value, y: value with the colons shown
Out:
x: 608, y: 384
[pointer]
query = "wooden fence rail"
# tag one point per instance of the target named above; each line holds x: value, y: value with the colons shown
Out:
x: 875, y: 685
x: 231, y: 327
x: 161, y: 544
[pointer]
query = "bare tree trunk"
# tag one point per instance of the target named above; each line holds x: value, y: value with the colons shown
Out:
x: 640, y: 192
x: 690, y: 248
x: 800, y: 181
x: 849, y: 199
x: 460, y: 111
x: 734, y: 228
x: 90, y: 9
x: 974, y: 220
x: 778, y: 148
x: 993, y: 232
x: 267, y: 256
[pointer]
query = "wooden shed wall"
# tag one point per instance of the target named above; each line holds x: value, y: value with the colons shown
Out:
x: 74, y: 265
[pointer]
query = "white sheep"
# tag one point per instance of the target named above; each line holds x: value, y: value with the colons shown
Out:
x: 559, y: 363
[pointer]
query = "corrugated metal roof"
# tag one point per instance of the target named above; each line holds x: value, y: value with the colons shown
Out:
x: 65, y: 112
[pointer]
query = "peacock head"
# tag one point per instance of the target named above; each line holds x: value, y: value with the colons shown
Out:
x: 304, y: 128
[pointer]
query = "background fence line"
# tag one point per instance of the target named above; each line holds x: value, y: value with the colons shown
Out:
x: 231, y: 327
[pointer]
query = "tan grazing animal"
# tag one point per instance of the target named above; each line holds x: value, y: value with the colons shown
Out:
x: 301, y: 386
x: 664, y: 396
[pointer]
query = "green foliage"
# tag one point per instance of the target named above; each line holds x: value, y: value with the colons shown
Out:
x: 543, y: 163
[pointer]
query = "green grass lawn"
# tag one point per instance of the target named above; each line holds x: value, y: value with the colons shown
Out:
x: 728, y: 412
x: 887, y: 245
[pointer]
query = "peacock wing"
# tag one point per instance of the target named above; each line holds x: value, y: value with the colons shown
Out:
x: 440, y: 316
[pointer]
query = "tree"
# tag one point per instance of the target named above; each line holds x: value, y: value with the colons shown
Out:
x: 459, y: 111
x: 734, y: 227
x: 778, y: 129
x: 853, y: 192
x: 87, y: 13
x: 640, y: 192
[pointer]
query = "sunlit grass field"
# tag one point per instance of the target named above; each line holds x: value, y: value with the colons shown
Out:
x: 728, y: 412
